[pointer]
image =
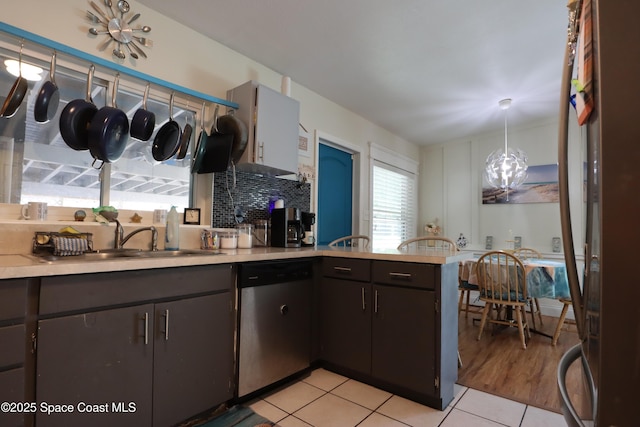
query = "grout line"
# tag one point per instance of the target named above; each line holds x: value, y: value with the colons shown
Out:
x: 371, y: 412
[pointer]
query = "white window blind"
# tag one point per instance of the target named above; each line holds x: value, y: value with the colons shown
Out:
x: 394, y: 205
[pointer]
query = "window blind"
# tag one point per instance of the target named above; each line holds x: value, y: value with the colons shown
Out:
x: 394, y: 206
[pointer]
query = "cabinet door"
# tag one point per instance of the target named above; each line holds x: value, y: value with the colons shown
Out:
x: 346, y: 324
x: 12, y: 390
x: 276, y: 141
x: 99, y: 358
x: 193, y: 360
x: 403, y: 338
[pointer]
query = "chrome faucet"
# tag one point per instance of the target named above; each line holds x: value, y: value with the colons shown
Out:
x: 121, y: 239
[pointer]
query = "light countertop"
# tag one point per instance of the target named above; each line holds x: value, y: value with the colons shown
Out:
x: 22, y: 266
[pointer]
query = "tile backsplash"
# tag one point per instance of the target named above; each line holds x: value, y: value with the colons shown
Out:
x: 248, y: 200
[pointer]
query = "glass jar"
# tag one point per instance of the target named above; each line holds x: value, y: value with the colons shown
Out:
x: 209, y: 239
x: 245, y: 236
x: 228, y: 238
x: 261, y: 232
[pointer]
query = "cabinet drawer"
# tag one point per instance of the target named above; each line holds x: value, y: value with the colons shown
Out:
x: 84, y: 291
x: 347, y: 268
x: 12, y: 345
x: 13, y: 299
x: 405, y: 274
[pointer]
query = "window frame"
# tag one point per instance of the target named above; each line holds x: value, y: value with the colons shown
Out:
x: 382, y: 157
x: 103, y: 81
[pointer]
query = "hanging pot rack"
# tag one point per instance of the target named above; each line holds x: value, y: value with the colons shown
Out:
x: 109, y: 68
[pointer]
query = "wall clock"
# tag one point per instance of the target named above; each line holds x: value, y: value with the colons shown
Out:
x: 116, y: 24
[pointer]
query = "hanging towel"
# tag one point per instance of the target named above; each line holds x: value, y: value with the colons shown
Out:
x: 66, y: 246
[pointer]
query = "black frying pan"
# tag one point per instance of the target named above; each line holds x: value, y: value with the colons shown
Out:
x: 46, y: 104
x: 76, y: 117
x: 144, y: 121
x: 109, y: 131
x: 16, y: 94
x: 217, y: 151
x: 198, y: 152
x: 230, y: 124
x: 185, y: 139
x: 167, y: 140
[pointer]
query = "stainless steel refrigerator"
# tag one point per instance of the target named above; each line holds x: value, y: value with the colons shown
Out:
x: 607, y: 307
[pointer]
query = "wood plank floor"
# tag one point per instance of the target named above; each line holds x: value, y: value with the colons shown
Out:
x: 498, y: 365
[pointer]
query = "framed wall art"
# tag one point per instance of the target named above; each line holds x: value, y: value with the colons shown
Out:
x: 541, y: 186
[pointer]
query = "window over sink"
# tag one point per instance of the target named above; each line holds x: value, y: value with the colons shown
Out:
x: 37, y: 165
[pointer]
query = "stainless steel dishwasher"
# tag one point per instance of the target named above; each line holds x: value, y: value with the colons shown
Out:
x: 274, y: 322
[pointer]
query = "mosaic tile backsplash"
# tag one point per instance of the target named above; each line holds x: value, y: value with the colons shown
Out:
x: 249, y: 200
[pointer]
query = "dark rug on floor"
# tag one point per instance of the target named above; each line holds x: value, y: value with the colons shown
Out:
x: 238, y: 416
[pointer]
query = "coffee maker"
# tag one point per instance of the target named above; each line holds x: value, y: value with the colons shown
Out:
x: 308, y: 219
x: 286, y: 228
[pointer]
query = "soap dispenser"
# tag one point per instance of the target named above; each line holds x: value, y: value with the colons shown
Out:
x: 172, y: 232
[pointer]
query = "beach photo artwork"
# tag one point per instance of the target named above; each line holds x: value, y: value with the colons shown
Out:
x: 541, y: 186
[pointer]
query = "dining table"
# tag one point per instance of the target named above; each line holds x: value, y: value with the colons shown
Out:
x: 546, y: 278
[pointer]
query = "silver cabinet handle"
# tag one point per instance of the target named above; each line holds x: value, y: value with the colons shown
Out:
x: 146, y: 328
x: 342, y: 269
x: 400, y: 275
x: 364, y: 304
x: 375, y: 302
x: 166, y: 325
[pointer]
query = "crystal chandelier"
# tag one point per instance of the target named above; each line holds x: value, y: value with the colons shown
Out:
x: 506, y: 168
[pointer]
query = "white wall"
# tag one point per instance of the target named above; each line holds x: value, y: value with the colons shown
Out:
x: 451, y: 181
x: 188, y: 59
x: 449, y: 176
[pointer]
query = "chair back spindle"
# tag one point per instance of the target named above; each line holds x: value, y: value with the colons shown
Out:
x: 354, y: 241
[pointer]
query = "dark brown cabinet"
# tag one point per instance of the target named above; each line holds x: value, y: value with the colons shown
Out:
x: 153, y: 363
x: 382, y: 323
x: 193, y: 357
x: 346, y: 324
x: 403, y: 346
x: 103, y: 357
x: 13, y: 307
x: 345, y: 299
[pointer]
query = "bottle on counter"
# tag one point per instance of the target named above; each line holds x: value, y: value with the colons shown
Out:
x: 172, y: 232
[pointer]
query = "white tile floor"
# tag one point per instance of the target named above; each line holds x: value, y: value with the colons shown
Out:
x: 326, y: 399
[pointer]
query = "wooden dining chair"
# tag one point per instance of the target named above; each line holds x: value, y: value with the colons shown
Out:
x: 465, y: 288
x: 502, y: 279
x: 525, y: 254
x: 566, y: 302
x: 429, y: 243
x: 354, y: 241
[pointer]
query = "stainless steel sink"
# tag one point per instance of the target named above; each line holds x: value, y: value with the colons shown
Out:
x: 174, y: 253
x: 109, y: 254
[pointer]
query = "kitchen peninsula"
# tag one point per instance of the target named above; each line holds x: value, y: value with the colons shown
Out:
x: 155, y: 311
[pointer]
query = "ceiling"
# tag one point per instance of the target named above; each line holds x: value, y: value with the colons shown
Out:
x: 429, y: 71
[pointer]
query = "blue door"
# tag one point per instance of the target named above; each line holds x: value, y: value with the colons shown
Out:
x: 335, y: 177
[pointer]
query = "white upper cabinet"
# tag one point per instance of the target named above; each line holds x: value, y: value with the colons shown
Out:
x: 272, y: 123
